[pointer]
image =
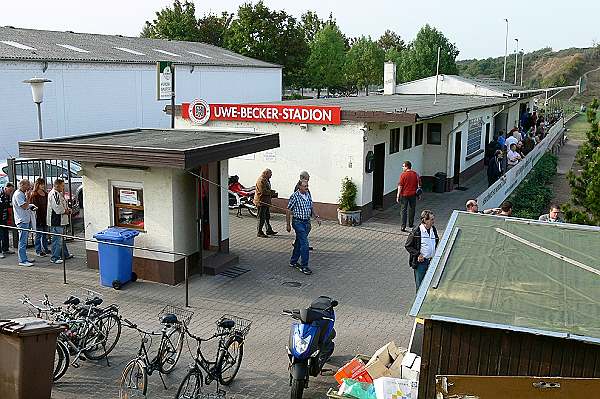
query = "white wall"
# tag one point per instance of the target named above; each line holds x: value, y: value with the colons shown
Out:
x: 96, y: 97
x: 447, y: 84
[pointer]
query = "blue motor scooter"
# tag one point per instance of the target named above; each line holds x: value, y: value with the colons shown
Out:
x: 311, y: 342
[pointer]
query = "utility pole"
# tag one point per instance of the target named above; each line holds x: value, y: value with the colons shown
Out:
x: 522, y: 63
x: 437, y: 74
x: 505, y: 50
x: 516, y: 59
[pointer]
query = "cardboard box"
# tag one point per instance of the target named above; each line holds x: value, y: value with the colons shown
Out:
x: 354, y: 369
x: 386, y: 362
x: 395, y: 388
x: 410, y: 367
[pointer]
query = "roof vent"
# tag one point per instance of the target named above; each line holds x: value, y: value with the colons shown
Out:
x: 70, y: 31
x: 10, y: 26
x: 119, y: 35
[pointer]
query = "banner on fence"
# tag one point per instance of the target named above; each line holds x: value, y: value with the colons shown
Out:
x: 499, y: 191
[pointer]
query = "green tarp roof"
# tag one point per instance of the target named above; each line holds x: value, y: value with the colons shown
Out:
x: 493, y: 277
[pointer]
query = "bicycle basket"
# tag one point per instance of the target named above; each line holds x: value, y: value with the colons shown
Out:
x: 183, y: 316
x: 241, y: 327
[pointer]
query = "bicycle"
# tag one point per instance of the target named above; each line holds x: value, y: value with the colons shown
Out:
x: 134, y: 378
x: 231, y: 331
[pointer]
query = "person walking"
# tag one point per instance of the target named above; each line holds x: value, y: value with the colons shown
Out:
x: 495, y: 168
x: 303, y: 176
x: 421, y: 245
x: 22, y: 210
x: 299, y: 212
x: 5, y: 198
x: 408, y: 184
x: 39, y: 198
x: 262, y: 200
x: 58, y: 217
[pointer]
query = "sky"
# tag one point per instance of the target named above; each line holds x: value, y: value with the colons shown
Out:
x: 476, y: 27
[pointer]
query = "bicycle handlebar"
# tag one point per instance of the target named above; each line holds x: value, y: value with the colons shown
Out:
x: 134, y: 326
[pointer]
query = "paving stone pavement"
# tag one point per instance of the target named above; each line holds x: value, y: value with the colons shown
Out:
x: 365, y: 269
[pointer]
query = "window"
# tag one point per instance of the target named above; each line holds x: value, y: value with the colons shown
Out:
x: 128, y: 207
x: 394, y: 140
x: 434, y: 133
x: 474, y: 136
x: 418, y: 134
x: 407, y: 138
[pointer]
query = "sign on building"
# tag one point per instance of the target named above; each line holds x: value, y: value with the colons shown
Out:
x: 164, y: 80
x: 199, y: 112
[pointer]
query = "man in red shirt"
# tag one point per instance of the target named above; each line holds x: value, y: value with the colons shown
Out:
x: 407, y: 194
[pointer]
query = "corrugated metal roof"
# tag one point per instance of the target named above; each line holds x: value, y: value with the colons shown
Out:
x: 62, y: 46
x: 516, y: 275
x: 420, y: 104
x: 491, y: 83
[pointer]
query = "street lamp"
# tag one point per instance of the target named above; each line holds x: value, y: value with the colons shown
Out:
x: 505, y: 50
x: 37, y: 92
x: 516, y: 59
x: 522, y: 62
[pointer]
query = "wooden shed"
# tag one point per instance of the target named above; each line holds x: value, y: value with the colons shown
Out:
x: 511, y: 297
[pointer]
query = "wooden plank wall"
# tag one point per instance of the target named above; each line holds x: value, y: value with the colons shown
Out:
x: 450, y: 348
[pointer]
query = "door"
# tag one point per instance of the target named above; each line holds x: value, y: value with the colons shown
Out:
x: 378, y: 175
x: 457, y: 156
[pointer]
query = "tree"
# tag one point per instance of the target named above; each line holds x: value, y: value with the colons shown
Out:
x: 213, y: 28
x: 327, y: 58
x: 311, y: 24
x: 177, y: 23
x: 364, y: 63
x: 271, y: 36
x: 585, y: 187
x: 419, y: 60
x: 391, y: 40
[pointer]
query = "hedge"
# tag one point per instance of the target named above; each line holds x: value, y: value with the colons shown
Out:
x: 532, y: 197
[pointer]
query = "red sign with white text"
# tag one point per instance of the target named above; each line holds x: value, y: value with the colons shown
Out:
x: 197, y: 111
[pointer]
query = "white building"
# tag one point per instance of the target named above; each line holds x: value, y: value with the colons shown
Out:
x: 103, y: 83
x: 372, y: 138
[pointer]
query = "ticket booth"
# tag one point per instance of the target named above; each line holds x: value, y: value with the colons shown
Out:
x: 171, y: 185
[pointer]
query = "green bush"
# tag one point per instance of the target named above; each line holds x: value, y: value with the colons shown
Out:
x: 348, y: 195
x: 532, y: 197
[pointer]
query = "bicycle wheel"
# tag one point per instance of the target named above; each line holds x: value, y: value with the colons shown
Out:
x: 134, y: 380
x: 191, y: 386
x: 103, y: 337
x: 62, y: 358
x: 172, y: 346
x: 231, y: 359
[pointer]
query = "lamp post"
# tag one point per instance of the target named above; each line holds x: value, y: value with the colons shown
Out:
x: 37, y: 92
x: 505, y: 50
x: 516, y: 59
x: 522, y: 63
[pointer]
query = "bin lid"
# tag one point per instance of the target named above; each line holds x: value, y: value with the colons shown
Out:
x: 27, y: 326
x: 116, y: 234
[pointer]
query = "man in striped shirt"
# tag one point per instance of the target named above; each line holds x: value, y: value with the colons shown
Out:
x: 300, y: 210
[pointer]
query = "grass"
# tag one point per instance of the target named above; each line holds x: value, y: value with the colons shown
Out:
x: 577, y: 128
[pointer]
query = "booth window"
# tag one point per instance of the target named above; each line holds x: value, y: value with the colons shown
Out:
x: 128, y: 207
x: 418, y: 134
x: 407, y: 138
x: 394, y: 140
x: 434, y: 133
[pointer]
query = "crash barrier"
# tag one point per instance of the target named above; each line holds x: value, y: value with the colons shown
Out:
x: 500, y: 190
x: 115, y: 244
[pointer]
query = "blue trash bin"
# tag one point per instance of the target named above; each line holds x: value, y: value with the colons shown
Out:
x: 115, y: 262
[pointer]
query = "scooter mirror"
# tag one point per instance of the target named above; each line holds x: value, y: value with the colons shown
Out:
x: 334, y: 303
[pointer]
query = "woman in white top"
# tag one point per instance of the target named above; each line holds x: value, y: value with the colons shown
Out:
x: 513, y: 156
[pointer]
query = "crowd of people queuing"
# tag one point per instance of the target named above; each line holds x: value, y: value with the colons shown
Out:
x: 34, y: 208
x: 508, y: 149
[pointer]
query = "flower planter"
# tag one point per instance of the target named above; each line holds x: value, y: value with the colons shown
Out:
x: 349, y: 218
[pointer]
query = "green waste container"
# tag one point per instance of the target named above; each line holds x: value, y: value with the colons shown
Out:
x: 27, y: 347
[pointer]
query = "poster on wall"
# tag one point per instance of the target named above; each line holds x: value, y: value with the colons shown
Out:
x: 270, y: 156
x: 128, y: 197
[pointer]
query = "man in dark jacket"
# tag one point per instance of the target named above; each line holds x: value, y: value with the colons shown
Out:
x: 5, y: 201
x: 495, y: 168
x: 421, y: 245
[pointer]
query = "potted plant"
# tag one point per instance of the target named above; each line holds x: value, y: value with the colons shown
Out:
x: 348, y: 212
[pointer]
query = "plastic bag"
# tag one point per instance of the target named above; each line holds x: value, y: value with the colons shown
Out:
x: 356, y: 389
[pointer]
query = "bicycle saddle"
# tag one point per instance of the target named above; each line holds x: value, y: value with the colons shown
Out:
x: 72, y: 300
x: 227, y: 324
x: 94, y: 301
x: 169, y: 318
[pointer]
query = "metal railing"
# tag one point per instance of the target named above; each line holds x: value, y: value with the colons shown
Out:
x: 64, y: 260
